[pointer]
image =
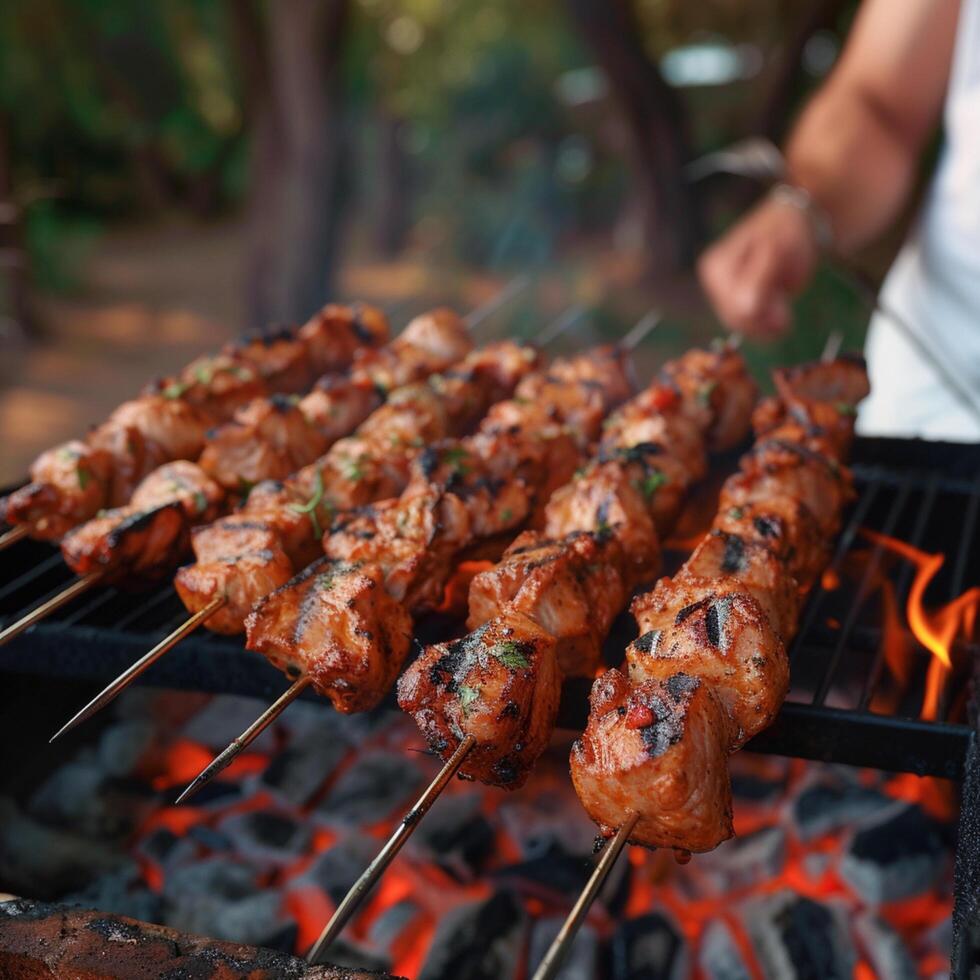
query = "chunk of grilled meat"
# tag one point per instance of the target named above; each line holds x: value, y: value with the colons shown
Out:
x: 141, y: 542
x: 267, y: 440
x: 658, y: 749
x: 333, y: 336
x: 239, y: 560
x: 68, y: 485
x: 500, y: 684
x: 217, y: 385
x: 571, y: 588
x: 335, y: 624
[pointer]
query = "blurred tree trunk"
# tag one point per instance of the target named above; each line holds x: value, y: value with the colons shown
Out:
x: 295, y: 208
x: 14, y: 272
x: 393, y: 187
x: 774, y: 120
x: 657, y: 132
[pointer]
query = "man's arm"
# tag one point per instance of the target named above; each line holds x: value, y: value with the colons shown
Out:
x: 855, y: 150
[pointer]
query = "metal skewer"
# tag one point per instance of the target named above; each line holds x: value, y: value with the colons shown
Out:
x: 247, y: 737
x: 832, y: 348
x: 76, y: 588
x: 13, y: 536
x: 552, y: 961
x: 362, y: 887
x: 129, y: 675
x: 516, y: 285
x: 638, y: 332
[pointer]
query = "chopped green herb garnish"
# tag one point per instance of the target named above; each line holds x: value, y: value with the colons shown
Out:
x: 455, y: 458
x: 651, y: 483
x: 204, y: 373
x: 243, y: 373
x: 353, y: 470
x: 511, y: 654
x: 200, y: 501
x: 845, y: 408
x: 736, y: 513
x: 245, y: 487
x: 467, y: 695
x: 175, y: 389
x: 311, y: 505
x: 84, y: 477
x: 506, y: 514
x: 602, y: 528
x: 705, y: 391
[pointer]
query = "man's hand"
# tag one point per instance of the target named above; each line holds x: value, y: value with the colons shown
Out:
x: 752, y: 273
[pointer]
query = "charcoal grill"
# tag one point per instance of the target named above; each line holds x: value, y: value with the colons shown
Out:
x: 926, y: 494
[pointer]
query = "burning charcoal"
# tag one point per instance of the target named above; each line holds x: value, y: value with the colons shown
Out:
x: 392, y: 923
x: 478, y: 941
x: 256, y: 920
x: 223, y: 718
x: 77, y: 795
x: 198, y: 895
x: 120, y: 892
x: 751, y: 788
x: 297, y: 772
x: 209, y: 838
x: 885, y: 949
x: 745, y: 860
x: 719, y: 956
x: 539, y: 824
x: 123, y: 745
x: 266, y: 835
x: 826, y: 807
x: 334, y: 871
x: 898, y: 856
x: 456, y: 836
x: 555, y: 869
x: 649, y: 946
x: 376, y: 786
x: 795, y: 936
x: 582, y: 960
x: 46, y: 862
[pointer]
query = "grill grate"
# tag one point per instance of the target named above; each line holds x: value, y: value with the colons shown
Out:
x: 846, y: 704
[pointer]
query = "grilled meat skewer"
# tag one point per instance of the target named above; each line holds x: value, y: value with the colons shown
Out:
x: 401, y: 552
x: 709, y: 669
x: 544, y: 610
x: 71, y: 483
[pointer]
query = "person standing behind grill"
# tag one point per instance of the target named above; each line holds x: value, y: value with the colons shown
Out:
x: 852, y: 163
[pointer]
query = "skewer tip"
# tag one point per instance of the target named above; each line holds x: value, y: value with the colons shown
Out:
x: 238, y: 745
x: 14, y: 535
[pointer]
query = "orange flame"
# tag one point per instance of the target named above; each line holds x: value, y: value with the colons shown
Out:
x: 936, y: 631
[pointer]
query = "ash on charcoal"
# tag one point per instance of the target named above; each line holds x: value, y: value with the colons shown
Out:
x: 296, y: 773
x: 900, y: 855
x: 225, y: 717
x: 456, y: 836
x: 745, y: 860
x: 581, y: 963
x: 266, y: 835
x: 226, y: 900
x: 123, y: 744
x: 121, y: 892
x: 78, y: 795
x: 827, y: 807
x: 885, y: 949
x: 391, y: 923
x: 796, y: 937
x: 47, y: 862
x: 377, y: 786
x: 334, y: 871
x: 719, y: 956
x: 556, y: 869
x: 210, y: 838
x: 649, y: 946
x: 544, y: 822
x: 479, y: 941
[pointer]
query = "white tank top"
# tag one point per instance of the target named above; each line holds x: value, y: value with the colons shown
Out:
x: 935, y: 281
